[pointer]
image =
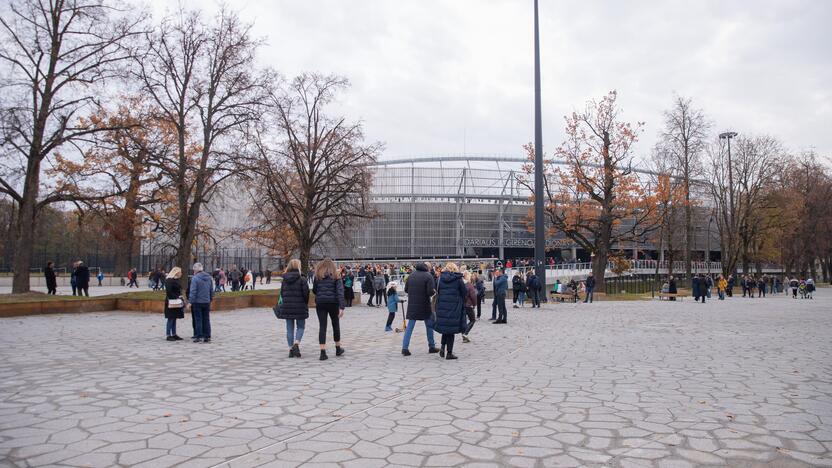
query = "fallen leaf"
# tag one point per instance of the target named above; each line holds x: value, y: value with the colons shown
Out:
x: 167, y: 415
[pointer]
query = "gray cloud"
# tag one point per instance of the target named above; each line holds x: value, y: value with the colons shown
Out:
x: 425, y: 73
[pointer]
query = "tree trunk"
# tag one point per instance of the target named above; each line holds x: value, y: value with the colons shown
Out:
x: 25, y: 229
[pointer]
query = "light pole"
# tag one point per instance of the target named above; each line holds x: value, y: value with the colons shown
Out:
x: 708, y: 258
x: 727, y: 136
x: 539, y: 234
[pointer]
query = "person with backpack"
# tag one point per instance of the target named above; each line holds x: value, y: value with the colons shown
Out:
x: 329, y: 302
x: 534, y: 286
x: 293, y: 305
x: 378, y: 285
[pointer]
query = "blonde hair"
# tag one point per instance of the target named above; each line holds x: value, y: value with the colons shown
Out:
x: 175, y: 273
x: 324, y: 268
x: 466, y: 275
x: 294, y: 265
x: 451, y: 266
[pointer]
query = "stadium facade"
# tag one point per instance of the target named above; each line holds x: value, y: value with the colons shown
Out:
x: 468, y: 207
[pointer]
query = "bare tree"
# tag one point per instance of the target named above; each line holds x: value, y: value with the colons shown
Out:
x: 739, y: 193
x: 670, y: 197
x: 684, y: 138
x: 202, y: 77
x: 56, y: 56
x: 316, y: 175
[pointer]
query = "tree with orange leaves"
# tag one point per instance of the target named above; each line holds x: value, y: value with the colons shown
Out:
x: 591, y: 193
x: 124, y: 156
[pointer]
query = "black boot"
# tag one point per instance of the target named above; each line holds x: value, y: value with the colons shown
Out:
x: 442, y: 351
x: 339, y: 351
x: 451, y: 356
x: 323, y: 357
x: 296, y: 349
x: 405, y: 352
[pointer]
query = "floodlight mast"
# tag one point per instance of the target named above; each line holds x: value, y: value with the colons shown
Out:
x: 539, y: 226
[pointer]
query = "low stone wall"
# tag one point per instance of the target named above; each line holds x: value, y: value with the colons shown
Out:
x: 18, y: 309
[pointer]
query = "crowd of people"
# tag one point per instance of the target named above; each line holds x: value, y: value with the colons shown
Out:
x: 751, y: 286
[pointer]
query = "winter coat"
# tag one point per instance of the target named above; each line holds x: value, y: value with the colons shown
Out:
x: 419, y: 288
x: 295, y: 294
x: 82, y: 276
x: 671, y: 287
x: 51, y: 279
x: 367, y: 284
x: 480, y: 288
x: 500, y: 286
x: 696, y: 286
x: 470, y: 296
x: 235, y: 275
x: 202, y: 289
x: 173, y: 290
x: 392, y: 301
x: 517, y: 283
x: 378, y: 282
x: 533, y: 283
x: 590, y: 282
x: 450, y: 303
x: 329, y: 291
x: 723, y: 284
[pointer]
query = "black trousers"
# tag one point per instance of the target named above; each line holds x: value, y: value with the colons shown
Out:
x: 515, y: 293
x: 379, y: 295
x: 535, y: 298
x: 84, y: 290
x: 390, y: 318
x: 332, y: 311
x: 500, y: 305
x: 448, y: 342
x: 51, y: 289
x: 480, y: 300
x: 370, y: 300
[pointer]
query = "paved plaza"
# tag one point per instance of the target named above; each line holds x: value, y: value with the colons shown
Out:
x: 630, y: 384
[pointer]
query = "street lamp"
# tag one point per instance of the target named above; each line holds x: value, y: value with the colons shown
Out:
x: 539, y: 227
x: 727, y: 136
x: 708, y: 259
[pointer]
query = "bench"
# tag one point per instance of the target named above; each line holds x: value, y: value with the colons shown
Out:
x: 564, y: 297
x: 666, y: 295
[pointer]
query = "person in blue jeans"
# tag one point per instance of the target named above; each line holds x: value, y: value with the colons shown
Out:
x: 500, y: 291
x: 420, y: 287
x: 294, y: 305
x: 200, y: 295
x: 590, y: 287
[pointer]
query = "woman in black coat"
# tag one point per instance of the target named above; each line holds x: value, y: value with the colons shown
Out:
x: 173, y: 292
x: 450, y: 308
x: 294, y: 305
x: 51, y: 279
x: 329, y: 302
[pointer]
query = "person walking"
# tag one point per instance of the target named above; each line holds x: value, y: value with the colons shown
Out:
x: 200, y: 295
x: 392, y: 305
x: 500, y: 292
x: 349, y: 292
x: 294, y: 305
x: 419, y: 288
x: 368, y: 287
x: 516, y: 288
x: 100, y: 277
x: 222, y: 279
x: 51, y: 279
x: 132, y: 277
x: 329, y: 301
x: 696, y: 288
x: 590, y: 288
x: 761, y: 287
x: 378, y: 286
x: 82, y: 279
x: 235, y: 275
x: 450, y: 308
x: 480, y: 285
x: 722, y: 286
x: 731, y: 282
x: 534, y: 286
x: 174, y: 303
x: 471, y: 299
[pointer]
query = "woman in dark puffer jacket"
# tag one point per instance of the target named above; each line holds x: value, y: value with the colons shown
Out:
x: 294, y: 292
x: 450, y: 313
x: 329, y: 301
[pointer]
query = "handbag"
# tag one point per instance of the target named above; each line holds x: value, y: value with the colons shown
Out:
x: 177, y: 303
x: 276, y: 308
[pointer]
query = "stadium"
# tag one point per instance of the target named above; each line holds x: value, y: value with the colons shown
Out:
x: 468, y: 207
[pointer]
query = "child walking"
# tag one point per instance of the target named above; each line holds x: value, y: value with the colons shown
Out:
x: 392, y: 305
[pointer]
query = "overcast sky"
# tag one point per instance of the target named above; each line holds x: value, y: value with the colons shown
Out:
x: 434, y: 77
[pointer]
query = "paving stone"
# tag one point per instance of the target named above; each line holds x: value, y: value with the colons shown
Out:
x: 619, y: 384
